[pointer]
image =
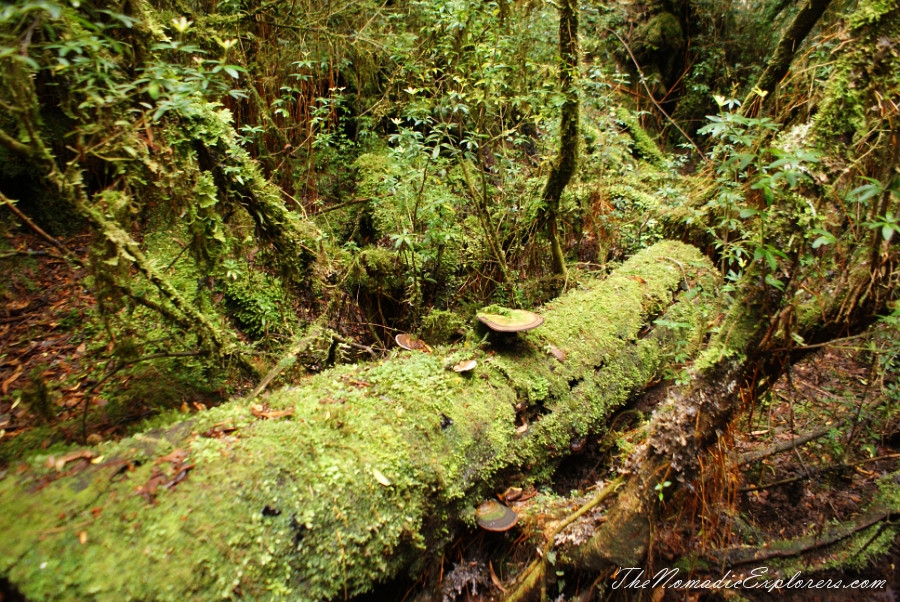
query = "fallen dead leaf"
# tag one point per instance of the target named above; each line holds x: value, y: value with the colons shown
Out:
x: 381, y: 478
x: 60, y: 463
x: 175, y: 457
x: 558, y: 353
x: 4, y: 387
x: 263, y: 411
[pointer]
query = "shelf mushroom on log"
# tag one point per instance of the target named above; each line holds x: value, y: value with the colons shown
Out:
x: 371, y: 470
x: 500, y: 319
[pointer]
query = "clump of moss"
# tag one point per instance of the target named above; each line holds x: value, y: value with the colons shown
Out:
x: 258, y: 305
x: 850, y: 109
x: 442, y: 326
x: 644, y: 146
x: 37, y: 396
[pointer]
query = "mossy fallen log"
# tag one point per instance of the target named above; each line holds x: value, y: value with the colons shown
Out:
x: 350, y: 478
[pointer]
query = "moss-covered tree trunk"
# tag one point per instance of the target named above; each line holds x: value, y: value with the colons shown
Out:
x: 566, y: 161
x: 328, y: 488
x: 790, y: 41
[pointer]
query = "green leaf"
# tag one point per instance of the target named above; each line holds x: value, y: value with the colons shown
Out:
x: 822, y: 240
x: 825, y: 238
x: 773, y: 281
x: 866, y: 192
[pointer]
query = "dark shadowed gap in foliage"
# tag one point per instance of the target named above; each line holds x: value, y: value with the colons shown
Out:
x: 589, y: 460
x: 8, y: 592
x: 461, y: 574
x: 395, y: 590
x: 581, y: 469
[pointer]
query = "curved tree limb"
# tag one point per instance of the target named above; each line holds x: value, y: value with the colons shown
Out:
x: 784, y: 53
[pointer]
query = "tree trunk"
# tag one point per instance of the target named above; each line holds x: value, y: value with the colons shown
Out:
x: 565, y: 163
x: 784, y: 53
x: 331, y: 487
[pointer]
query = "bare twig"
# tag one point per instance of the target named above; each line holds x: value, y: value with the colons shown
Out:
x: 653, y: 100
x: 783, y: 446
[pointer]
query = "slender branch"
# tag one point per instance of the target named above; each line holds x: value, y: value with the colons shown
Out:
x: 566, y: 162
x: 809, y: 474
x: 796, y: 547
x: 828, y: 343
x: 486, y: 223
x: 653, y: 100
x: 23, y: 150
x: 343, y: 205
x: 787, y: 46
x: 784, y: 446
x: 4, y: 200
x: 356, y: 345
x: 288, y: 358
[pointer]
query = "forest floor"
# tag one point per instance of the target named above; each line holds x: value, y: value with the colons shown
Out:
x: 43, y: 305
x: 51, y: 386
x: 49, y: 395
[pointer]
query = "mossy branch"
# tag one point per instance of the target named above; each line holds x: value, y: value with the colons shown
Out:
x: 732, y: 557
x: 784, y: 53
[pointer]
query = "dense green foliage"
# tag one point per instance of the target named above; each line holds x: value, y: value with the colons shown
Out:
x: 240, y: 169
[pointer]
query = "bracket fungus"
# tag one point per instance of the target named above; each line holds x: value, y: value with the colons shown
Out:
x: 464, y: 366
x: 494, y: 516
x: 500, y: 319
x: 411, y: 343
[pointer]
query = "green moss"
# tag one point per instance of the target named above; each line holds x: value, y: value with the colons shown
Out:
x: 375, y: 268
x: 644, y: 146
x: 867, y: 73
x: 870, y: 12
x: 441, y: 326
x: 375, y: 465
x: 663, y: 31
x: 258, y: 304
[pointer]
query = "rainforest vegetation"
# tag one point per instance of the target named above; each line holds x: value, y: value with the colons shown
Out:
x: 250, y: 250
